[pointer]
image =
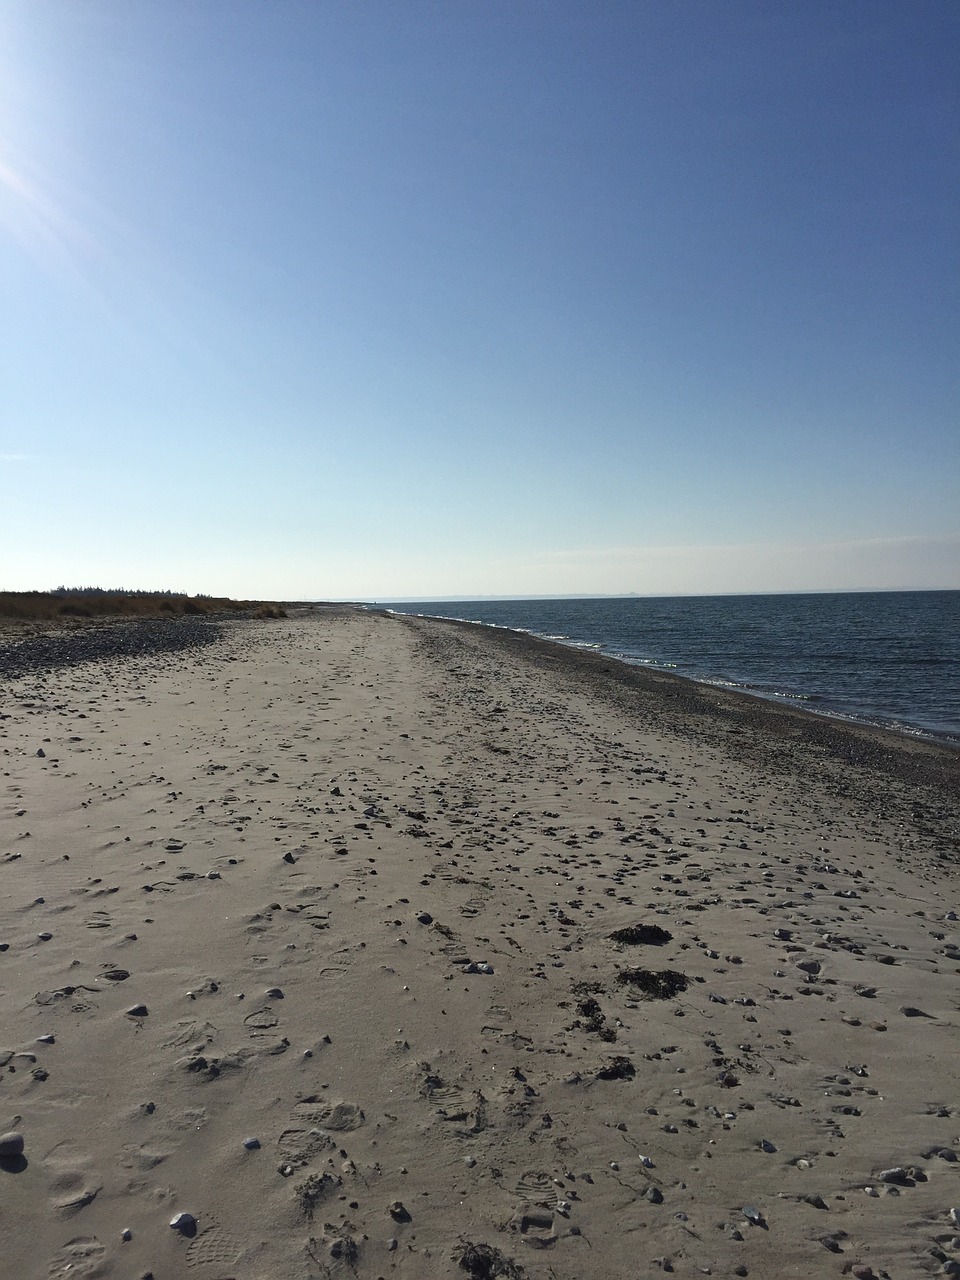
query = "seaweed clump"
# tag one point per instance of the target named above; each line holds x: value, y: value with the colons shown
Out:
x: 594, y: 1020
x: 617, y: 1069
x: 483, y: 1262
x: 642, y: 935
x: 655, y: 984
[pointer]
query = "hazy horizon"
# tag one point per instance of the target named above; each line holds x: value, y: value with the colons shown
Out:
x: 365, y: 300
x: 632, y: 595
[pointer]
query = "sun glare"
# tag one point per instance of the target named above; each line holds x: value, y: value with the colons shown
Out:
x: 37, y: 219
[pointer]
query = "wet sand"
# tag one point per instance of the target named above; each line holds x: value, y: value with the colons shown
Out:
x: 388, y: 947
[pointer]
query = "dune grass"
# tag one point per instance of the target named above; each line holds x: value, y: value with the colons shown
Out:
x: 86, y: 604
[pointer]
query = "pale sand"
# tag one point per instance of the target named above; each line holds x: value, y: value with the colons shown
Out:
x: 531, y: 803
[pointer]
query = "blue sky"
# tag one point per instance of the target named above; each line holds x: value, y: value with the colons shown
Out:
x: 362, y: 300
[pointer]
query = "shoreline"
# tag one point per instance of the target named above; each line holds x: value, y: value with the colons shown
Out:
x: 926, y: 761
x: 392, y: 947
x: 915, y: 731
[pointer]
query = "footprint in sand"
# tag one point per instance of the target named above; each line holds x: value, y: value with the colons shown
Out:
x: 434, y: 1087
x: 75, y: 1002
x: 82, y: 1256
x: 72, y: 1191
x: 212, y: 1246
x: 310, y: 1136
x: 297, y: 1147
x: 465, y: 1110
x: 260, y: 1020
x: 72, y: 1185
x: 191, y: 1031
x: 142, y: 1159
x: 537, y: 1188
x: 339, y: 1117
x: 536, y: 1227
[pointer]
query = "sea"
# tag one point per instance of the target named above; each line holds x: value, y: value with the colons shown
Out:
x: 889, y: 658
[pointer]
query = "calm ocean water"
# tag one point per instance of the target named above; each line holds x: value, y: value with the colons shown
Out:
x: 889, y: 658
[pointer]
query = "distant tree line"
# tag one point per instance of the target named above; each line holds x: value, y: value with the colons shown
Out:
x: 124, y: 591
x: 78, y: 603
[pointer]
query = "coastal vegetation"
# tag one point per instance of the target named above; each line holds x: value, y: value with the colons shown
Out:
x: 80, y: 604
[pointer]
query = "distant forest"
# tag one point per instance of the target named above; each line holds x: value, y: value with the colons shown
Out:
x: 116, y: 591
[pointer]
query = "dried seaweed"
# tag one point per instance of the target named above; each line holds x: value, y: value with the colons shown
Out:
x: 659, y: 984
x: 641, y: 935
x: 483, y: 1262
x: 617, y: 1069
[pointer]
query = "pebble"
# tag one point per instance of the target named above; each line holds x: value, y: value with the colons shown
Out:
x: 654, y: 1195
x: 137, y: 1011
x: 752, y: 1213
x: 48, y: 1039
x: 252, y: 1144
x: 126, y: 1234
x: 151, y: 636
x: 273, y: 993
x: 185, y: 1223
x: 11, y: 1144
x: 398, y: 1212
x: 425, y: 917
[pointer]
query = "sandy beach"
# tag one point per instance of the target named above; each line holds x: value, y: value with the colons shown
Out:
x: 379, y: 946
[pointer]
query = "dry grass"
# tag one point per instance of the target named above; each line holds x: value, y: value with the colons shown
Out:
x: 86, y: 605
